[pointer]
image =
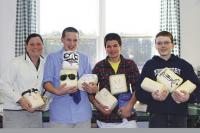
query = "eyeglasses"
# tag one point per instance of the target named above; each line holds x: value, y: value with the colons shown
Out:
x: 165, y: 43
x: 70, y: 76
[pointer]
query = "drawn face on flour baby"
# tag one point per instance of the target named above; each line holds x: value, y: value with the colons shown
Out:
x: 69, y: 71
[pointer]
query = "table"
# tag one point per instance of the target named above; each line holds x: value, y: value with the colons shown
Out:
x: 193, y: 116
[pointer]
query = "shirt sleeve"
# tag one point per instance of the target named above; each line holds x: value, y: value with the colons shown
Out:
x: 189, y: 74
x: 88, y: 68
x: 134, y: 75
x: 48, y: 70
x: 141, y: 95
x: 9, y: 81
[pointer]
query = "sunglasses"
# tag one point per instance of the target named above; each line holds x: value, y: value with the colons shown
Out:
x: 70, y: 76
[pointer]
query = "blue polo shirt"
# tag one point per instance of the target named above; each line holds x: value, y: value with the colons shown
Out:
x: 62, y: 108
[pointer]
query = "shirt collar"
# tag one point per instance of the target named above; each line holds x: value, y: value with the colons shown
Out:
x: 122, y: 59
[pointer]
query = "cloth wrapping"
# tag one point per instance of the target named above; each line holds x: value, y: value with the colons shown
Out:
x: 88, y: 78
x: 33, y: 96
x: 169, y: 79
x: 117, y: 83
x: 106, y: 98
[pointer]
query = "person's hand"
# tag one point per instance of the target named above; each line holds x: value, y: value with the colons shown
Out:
x: 25, y: 104
x: 90, y: 88
x: 104, y: 109
x: 160, y: 96
x: 180, y: 96
x: 63, y: 89
x: 125, y: 111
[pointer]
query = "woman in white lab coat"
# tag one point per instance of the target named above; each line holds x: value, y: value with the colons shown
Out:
x: 23, y: 73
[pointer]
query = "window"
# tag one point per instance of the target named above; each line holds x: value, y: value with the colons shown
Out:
x: 55, y: 15
x: 137, y: 21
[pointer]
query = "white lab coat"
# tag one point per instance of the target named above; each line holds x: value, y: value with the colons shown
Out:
x: 20, y: 75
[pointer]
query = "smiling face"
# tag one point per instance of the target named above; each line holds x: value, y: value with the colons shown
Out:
x: 113, y: 49
x: 34, y: 47
x: 70, y: 41
x: 164, y: 46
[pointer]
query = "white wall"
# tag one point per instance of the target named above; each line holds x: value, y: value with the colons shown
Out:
x: 7, y: 31
x: 190, y: 31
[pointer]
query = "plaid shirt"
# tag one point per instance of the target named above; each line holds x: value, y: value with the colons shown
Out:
x: 103, y: 69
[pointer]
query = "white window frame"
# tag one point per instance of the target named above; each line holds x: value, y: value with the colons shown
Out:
x: 101, y: 28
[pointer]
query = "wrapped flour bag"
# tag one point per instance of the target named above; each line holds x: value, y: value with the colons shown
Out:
x: 33, y: 96
x: 169, y: 79
x: 152, y: 86
x: 118, y: 84
x: 106, y: 98
x: 187, y: 86
x: 87, y: 78
x: 69, y: 76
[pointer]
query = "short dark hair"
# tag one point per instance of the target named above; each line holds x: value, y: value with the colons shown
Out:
x: 165, y: 33
x: 33, y: 35
x: 69, y: 29
x: 112, y: 36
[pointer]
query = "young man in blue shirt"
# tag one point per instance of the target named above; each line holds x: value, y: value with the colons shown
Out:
x: 64, y: 110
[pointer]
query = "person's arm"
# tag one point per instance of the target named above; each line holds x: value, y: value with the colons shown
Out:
x: 97, y: 105
x: 141, y: 95
x: 126, y: 111
x: 195, y: 95
x: 90, y: 88
x: 8, y: 79
x: 103, y: 109
x: 188, y: 74
x: 49, y: 87
x: 48, y: 79
x: 25, y: 104
x: 62, y: 90
x: 9, y: 88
